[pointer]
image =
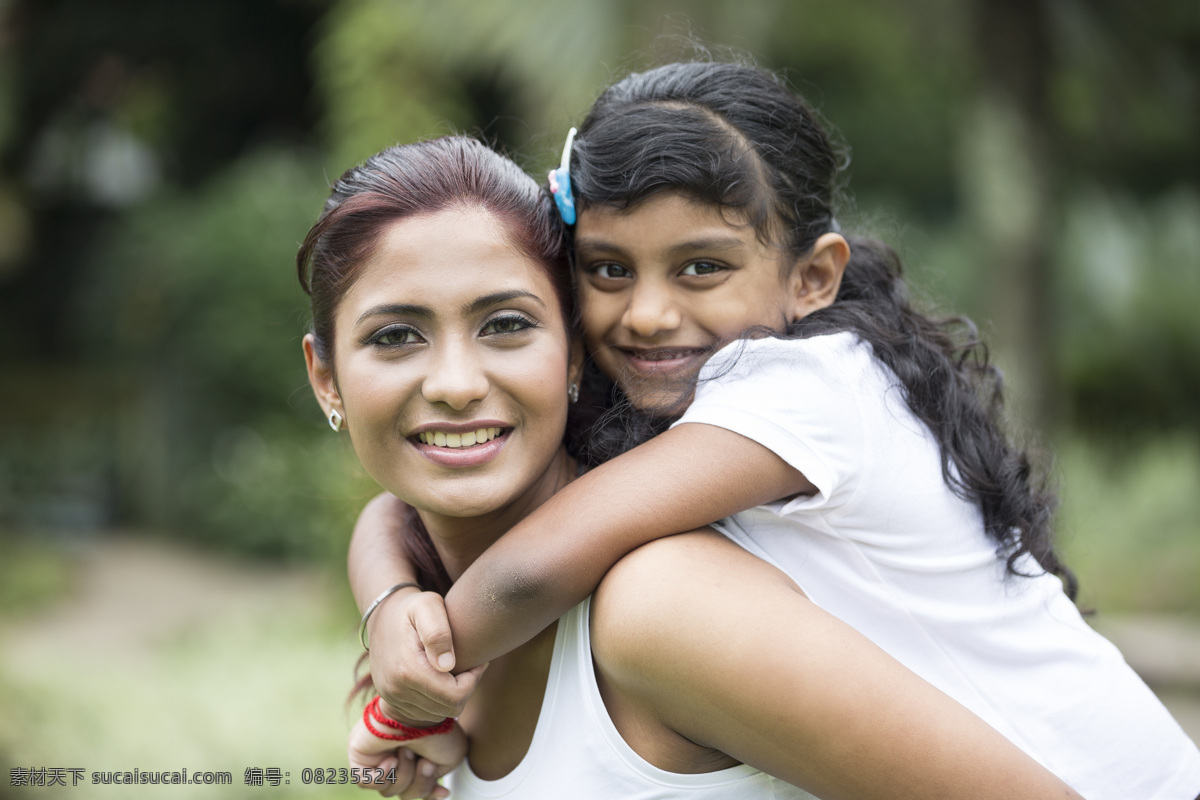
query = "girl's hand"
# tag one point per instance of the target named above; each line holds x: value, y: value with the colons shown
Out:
x: 416, y: 772
x: 411, y: 657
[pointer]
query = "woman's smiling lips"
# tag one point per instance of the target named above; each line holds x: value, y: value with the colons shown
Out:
x: 460, y: 444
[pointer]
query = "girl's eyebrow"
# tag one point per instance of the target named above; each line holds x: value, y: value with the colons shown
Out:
x: 598, y: 245
x: 474, y: 307
x: 717, y: 242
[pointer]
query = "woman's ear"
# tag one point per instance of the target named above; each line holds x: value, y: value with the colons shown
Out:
x: 575, y: 362
x: 817, y: 276
x: 320, y: 377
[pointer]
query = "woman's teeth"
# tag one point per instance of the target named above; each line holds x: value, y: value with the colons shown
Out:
x: 467, y: 439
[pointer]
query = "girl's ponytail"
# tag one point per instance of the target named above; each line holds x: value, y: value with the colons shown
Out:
x: 951, y: 385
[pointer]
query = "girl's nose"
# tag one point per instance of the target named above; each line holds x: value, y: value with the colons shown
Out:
x: 651, y: 311
x: 456, y: 378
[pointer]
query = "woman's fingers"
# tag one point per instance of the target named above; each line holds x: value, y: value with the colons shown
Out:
x: 404, y: 638
x: 406, y: 771
x: 424, y: 782
x: 428, y: 614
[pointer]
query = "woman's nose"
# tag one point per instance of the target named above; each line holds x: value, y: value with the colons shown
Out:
x: 651, y: 311
x: 456, y: 378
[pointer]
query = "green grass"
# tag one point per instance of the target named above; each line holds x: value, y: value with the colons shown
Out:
x: 31, y: 575
x: 1130, y: 525
x: 259, y: 686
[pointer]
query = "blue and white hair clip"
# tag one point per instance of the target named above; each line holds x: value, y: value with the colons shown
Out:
x: 560, y: 183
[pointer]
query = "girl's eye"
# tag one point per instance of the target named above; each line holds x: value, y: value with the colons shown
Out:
x: 699, y: 268
x: 611, y: 271
x: 395, y: 336
x: 510, y: 323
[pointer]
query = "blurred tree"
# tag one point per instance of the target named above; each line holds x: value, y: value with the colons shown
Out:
x: 111, y: 99
x: 1008, y: 178
x: 515, y: 74
x: 111, y: 108
x: 195, y: 301
x: 159, y: 162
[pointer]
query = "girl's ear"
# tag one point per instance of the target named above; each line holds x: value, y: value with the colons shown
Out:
x: 320, y: 377
x: 817, y: 276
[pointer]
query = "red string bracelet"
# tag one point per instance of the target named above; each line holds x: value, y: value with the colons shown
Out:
x: 406, y: 733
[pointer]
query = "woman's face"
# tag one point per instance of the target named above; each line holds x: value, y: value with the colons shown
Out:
x: 451, y: 365
x: 662, y: 285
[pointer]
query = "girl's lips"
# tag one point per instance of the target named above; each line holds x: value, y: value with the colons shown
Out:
x: 665, y: 360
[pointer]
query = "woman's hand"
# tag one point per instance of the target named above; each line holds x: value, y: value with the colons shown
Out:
x: 418, y: 764
x: 411, y: 657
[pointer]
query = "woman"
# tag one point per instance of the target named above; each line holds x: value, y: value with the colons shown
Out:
x: 441, y: 343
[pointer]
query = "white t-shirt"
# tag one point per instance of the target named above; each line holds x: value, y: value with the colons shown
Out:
x: 887, y: 547
x: 578, y: 753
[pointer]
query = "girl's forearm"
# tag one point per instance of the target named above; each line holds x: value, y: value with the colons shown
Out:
x: 688, y: 477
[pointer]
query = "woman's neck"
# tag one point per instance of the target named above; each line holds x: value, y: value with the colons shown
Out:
x: 460, y: 540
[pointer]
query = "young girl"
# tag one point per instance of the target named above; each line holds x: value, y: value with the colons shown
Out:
x: 442, y: 345
x: 862, y: 437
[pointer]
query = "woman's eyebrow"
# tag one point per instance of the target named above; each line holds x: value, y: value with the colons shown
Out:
x: 496, y: 298
x: 474, y: 307
x: 396, y: 309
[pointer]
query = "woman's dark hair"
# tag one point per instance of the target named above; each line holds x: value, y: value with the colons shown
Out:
x: 422, y: 178
x: 737, y: 137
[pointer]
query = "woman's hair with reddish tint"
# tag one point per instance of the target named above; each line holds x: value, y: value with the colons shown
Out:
x: 408, y: 180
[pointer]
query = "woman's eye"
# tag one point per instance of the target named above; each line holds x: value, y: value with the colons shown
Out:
x: 395, y: 336
x: 507, y: 324
x: 697, y: 268
x: 611, y: 271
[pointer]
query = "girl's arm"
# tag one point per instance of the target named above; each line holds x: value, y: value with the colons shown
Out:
x: 695, y: 638
x: 687, y: 477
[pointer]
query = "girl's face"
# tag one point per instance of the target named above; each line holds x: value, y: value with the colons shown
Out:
x: 664, y: 284
x: 451, y: 365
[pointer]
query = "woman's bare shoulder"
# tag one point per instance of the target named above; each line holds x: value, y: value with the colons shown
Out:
x: 659, y: 600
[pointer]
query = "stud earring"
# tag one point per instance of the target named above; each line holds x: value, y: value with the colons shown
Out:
x: 335, y: 420
x: 573, y: 392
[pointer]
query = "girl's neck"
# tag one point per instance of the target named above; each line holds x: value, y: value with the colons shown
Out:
x: 460, y: 540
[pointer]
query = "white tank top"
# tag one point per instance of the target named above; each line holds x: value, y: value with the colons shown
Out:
x: 577, y: 751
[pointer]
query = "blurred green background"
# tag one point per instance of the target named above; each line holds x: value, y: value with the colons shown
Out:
x: 173, y: 509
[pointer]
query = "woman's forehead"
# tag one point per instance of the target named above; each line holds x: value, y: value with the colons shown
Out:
x: 446, y: 256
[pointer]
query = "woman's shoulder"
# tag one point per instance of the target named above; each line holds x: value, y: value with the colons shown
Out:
x: 658, y: 602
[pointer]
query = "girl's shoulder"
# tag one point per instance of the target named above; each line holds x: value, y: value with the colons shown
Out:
x: 836, y: 359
